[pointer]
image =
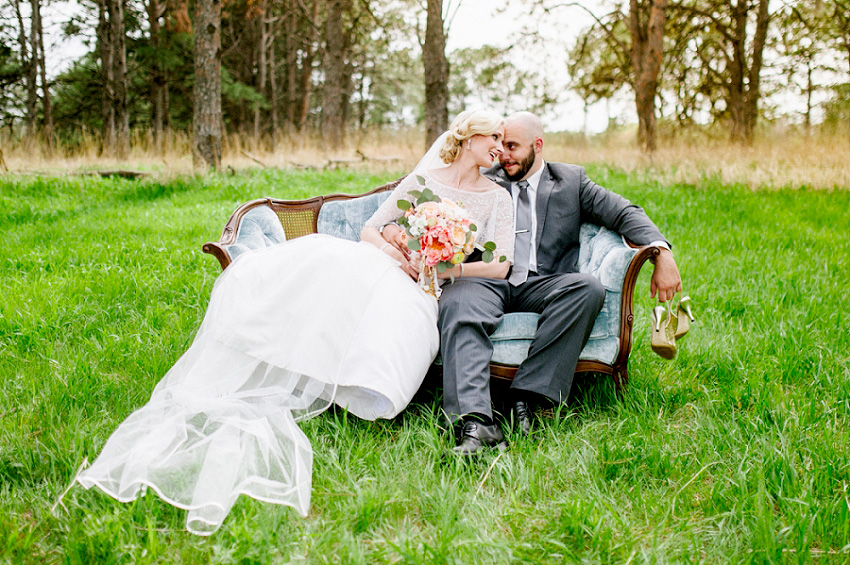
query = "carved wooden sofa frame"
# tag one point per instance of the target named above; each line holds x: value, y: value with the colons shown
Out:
x: 268, y: 221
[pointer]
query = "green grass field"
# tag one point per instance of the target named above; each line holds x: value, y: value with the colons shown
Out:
x: 736, y: 451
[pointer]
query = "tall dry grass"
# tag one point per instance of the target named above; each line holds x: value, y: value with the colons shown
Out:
x: 820, y: 162
x: 776, y: 160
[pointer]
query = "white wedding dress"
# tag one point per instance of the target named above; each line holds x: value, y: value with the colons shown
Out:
x: 289, y: 330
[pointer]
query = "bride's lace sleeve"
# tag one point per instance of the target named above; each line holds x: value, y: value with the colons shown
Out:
x: 504, y: 225
x: 389, y: 210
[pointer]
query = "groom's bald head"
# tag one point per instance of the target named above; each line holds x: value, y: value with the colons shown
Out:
x: 527, y: 123
x: 523, y: 145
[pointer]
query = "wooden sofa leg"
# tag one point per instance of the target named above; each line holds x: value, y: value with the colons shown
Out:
x: 621, y: 381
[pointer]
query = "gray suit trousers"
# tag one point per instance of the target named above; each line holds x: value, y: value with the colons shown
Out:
x: 471, y: 309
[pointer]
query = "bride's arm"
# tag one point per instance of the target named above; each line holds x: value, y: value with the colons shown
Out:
x: 387, y: 213
x: 492, y: 270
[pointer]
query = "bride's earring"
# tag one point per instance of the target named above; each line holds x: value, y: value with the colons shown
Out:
x: 469, y: 144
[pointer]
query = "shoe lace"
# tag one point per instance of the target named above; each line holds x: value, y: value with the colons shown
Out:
x: 469, y: 429
x: 521, y: 410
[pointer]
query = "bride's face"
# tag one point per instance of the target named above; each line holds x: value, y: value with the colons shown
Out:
x: 485, y: 149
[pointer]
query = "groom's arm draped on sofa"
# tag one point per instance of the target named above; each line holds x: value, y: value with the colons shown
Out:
x: 552, y: 200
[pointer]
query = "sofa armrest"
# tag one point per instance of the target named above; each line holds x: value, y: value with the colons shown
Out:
x: 218, y: 249
x: 644, y: 253
x: 252, y: 226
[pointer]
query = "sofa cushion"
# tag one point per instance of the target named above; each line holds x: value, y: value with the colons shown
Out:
x: 603, y: 254
x: 512, y: 338
x: 346, y: 218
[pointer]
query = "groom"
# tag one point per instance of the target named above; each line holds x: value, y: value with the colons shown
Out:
x: 551, y: 201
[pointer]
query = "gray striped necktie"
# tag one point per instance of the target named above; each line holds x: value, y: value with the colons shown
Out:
x: 522, y: 245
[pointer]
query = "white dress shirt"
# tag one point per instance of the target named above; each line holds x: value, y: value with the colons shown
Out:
x: 533, y: 181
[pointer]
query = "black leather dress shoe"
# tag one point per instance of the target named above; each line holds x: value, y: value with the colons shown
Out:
x: 522, y: 417
x: 475, y: 436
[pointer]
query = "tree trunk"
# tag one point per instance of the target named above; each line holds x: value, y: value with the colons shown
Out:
x: 32, y: 97
x: 38, y: 57
x: 307, y: 71
x: 206, y: 126
x: 119, y: 75
x: 113, y: 69
x: 273, y: 94
x: 178, y: 19
x: 261, y: 70
x: 30, y: 76
x: 290, y: 64
x: 745, y: 76
x: 753, y: 92
x: 647, y: 53
x: 159, y: 83
x: 737, y: 71
x: 105, y: 50
x: 335, y: 86
x: 841, y: 14
x: 810, y: 87
x: 436, y: 73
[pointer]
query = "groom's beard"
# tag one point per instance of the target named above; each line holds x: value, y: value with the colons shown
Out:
x: 524, y: 166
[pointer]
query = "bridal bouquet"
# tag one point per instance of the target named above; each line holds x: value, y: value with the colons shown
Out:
x: 441, y: 232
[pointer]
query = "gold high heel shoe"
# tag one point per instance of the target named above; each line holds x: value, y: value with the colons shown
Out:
x: 663, y: 332
x: 684, y: 317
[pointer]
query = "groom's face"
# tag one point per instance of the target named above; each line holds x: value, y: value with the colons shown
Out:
x: 517, y: 158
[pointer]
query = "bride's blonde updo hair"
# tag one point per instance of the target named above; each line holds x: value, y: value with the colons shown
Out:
x: 465, y: 125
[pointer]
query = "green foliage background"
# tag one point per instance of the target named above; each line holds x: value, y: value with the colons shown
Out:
x: 736, y: 451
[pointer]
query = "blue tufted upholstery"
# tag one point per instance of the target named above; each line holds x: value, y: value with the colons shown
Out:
x: 345, y: 218
x: 603, y: 254
x: 260, y: 227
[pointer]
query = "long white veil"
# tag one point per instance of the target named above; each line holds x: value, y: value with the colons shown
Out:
x: 431, y: 160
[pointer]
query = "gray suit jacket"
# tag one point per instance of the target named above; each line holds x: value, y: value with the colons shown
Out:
x: 566, y: 198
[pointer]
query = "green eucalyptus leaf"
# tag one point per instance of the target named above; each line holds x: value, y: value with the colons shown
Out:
x: 421, y: 179
x: 490, y: 246
x: 487, y: 256
x: 502, y: 259
x: 442, y: 266
x: 414, y: 244
x: 473, y: 227
x: 415, y: 194
x: 404, y: 204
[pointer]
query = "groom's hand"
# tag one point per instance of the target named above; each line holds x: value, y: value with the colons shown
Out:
x: 666, y: 281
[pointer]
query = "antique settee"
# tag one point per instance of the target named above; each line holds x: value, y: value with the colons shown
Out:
x: 608, y: 256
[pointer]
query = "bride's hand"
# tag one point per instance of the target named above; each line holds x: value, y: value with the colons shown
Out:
x: 413, y: 269
x: 410, y: 268
x: 394, y: 235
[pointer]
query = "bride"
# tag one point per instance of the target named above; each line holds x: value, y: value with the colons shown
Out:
x: 291, y: 329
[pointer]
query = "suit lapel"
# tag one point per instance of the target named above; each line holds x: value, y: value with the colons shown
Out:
x: 544, y: 190
x: 497, y: 175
